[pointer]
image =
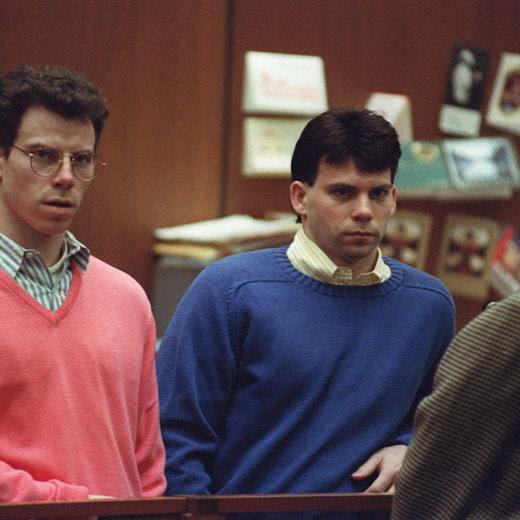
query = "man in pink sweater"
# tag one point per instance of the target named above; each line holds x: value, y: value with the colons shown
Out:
x: 78, y: 406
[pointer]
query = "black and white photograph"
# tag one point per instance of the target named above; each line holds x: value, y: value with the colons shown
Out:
x: 461, y: 111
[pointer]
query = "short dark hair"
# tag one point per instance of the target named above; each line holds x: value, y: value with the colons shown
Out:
x: 342, y: 134
x: 57, y: 89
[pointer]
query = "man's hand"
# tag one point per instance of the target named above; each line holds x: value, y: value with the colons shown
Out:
x: 387, y: 461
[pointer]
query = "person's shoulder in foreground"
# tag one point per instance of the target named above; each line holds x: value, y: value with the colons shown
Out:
x: 79, y: 391
x: 464, y: 459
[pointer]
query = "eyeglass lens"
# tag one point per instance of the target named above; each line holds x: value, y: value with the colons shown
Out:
x: 46, y: 161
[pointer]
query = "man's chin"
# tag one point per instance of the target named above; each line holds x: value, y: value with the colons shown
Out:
x: 355, y: 255
x: 52, y: 230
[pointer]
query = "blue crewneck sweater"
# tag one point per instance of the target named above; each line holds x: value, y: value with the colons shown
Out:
x: 273, y: 382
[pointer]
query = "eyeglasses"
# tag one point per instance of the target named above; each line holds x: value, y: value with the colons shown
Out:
x: 47, y: 161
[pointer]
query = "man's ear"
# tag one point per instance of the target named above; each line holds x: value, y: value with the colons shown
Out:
x: 2, y: 162
x: 298, y: 194
x: 393, y: 194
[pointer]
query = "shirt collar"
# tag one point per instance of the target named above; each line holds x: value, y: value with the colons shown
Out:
x: 12, y: 254
x: 308, y: 258
x: 77, y: 251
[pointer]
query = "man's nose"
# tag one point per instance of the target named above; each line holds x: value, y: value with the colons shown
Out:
x: 65, y: 174
x: 362, y: 208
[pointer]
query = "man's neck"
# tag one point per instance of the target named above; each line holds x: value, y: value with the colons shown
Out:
x: 50, y: 249
x: 361, y: 266
x: 357, y: 265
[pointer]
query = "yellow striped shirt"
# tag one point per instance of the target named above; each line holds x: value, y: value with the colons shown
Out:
x: 309, y: 259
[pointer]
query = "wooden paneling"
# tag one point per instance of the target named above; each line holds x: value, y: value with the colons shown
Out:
x: 397, y: 46
x: 172, y: 140
x: 161, y: 65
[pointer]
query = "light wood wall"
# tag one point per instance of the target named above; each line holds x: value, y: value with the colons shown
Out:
x: 172, y: 71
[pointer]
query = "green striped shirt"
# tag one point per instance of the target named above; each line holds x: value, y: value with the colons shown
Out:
x: 48, y: 285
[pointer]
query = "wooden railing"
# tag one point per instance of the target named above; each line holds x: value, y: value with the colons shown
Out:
x: 211, y: 507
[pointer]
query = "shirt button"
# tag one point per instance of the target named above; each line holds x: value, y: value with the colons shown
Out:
x: 29, y: 255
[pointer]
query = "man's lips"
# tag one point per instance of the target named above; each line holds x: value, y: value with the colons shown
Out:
x: 59, y: 209
x: 60, y: 203
x: 367, y: 234
x: 359, y: 237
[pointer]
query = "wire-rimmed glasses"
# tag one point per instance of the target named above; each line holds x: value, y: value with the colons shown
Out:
x: 46, y: 161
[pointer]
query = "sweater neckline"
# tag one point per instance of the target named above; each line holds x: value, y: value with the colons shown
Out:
x: 53, y: 316
x: 360, y: 291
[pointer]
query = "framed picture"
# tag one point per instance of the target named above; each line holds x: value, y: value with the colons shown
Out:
x: 504, y: 105
x: 465, y: 86
x: 466, y: 249
x: 407, y: 237
x: 461, y: 111
x: 485, y: 163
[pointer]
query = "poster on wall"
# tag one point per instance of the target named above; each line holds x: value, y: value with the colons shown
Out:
x: 284, y: 83
x: 504, y: 104
x: 466, y: 249
x: 269, y: 144
x: 461, y: 111
x: 407, y: 237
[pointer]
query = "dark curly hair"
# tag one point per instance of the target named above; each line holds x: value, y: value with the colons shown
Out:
x: 56, y: 88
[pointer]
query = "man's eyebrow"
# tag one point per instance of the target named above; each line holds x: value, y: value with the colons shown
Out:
x: 385, y: 185
x: 37, y: 144
x: 341, y: 185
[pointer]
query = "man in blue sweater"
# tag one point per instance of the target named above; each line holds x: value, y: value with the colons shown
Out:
x: 294, y: 370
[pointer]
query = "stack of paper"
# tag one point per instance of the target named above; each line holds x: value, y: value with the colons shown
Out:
x: 211, y: 239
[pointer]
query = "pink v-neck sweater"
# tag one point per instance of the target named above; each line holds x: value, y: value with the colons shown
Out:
x: 78, y: 396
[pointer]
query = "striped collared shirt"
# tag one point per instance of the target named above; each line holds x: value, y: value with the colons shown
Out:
x: 309, y: 259
x: 48, y: 285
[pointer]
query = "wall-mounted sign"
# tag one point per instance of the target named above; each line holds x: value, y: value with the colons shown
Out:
x: 396, y: 109
x: 284, y: 83
x: 269, y: 145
